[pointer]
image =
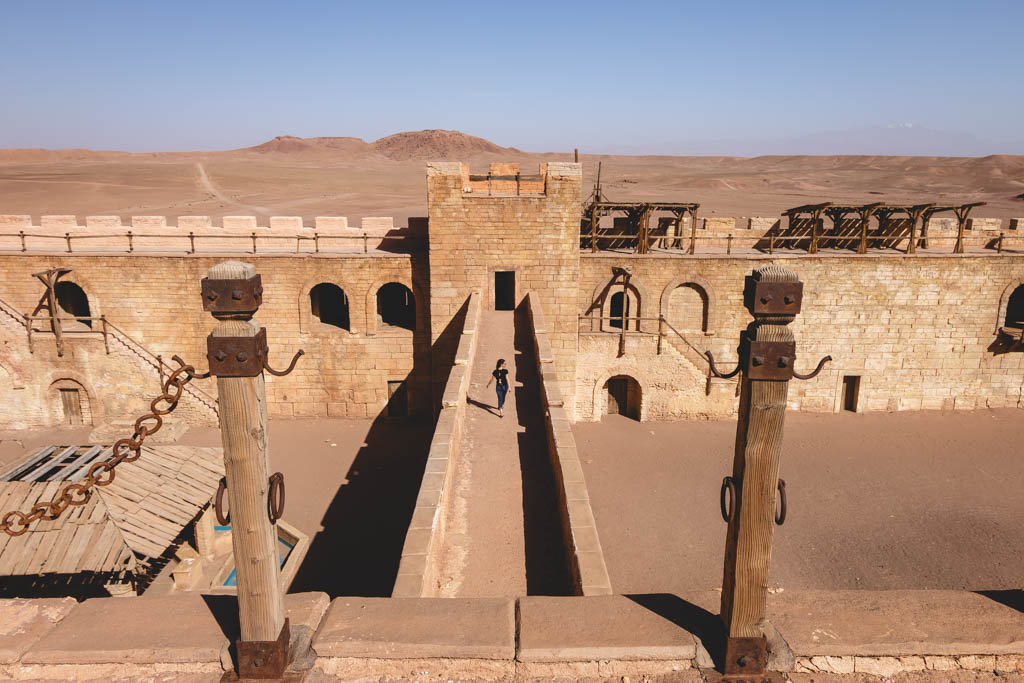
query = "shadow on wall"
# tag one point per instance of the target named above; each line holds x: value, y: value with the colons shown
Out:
x: 693, y: 618
x: 546, y: 567
x: 360, y: 547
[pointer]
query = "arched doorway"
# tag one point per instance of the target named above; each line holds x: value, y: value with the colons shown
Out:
x: 1015, y: 309
x: 624, y: 396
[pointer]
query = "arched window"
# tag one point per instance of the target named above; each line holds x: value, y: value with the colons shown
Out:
x: 619, y: 304
x: 1015, y: 308
x: 396, y: 306
x: 688, y: 308
x: 623, y: 397
x: 329, y: 304
x: 72, y: 300
x: 619, y: 301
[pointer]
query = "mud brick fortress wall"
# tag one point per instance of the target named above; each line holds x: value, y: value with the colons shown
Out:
x: 920, y: 331
x: 155, y: 300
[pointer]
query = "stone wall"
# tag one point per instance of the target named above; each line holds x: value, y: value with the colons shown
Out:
x: 583, y: 553
x: 473, y: 235
x: 920, y: 332
x: 424, y: 541
x: 155, y: 300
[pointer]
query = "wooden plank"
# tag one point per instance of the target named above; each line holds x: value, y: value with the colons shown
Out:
x: 47, y: 493
x: 87, y: 456
x: 94, y: 558
x: 83, y: 534
x: 37, y: 475
x: 83, y: 469
x: 22, y: 563
x: 47, y: 542
x: 12, y: 473
x: 64, y: 537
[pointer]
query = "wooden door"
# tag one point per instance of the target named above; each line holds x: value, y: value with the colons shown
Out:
x: 618, y: 396
x: 72, y: 403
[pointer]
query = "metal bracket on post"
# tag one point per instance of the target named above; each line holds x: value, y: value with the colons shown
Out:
x: 263, y: 659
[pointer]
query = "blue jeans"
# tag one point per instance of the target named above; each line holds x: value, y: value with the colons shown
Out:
x: 502, y: 390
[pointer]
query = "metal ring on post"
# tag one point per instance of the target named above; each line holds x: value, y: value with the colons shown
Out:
x: 275, y: 497
x: 780, y: 516
x: 218, y: 503
x: 728, y: 486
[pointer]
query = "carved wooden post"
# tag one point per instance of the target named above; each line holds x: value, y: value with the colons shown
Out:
x: 237, y: 351
x: 767, y: 351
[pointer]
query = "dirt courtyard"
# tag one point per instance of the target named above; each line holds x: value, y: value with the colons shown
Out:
x: 876, y: 501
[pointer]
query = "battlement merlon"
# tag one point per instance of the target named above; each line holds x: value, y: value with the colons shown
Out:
x: 502, y: 179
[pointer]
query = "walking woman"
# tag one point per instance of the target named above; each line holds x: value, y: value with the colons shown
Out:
x: 501, y: 375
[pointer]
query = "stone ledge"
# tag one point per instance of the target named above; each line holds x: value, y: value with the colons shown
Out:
x: 190, y: 629
x: 895, y: 623
x: 402, y: 628
x: 23, y: 622
x: 597, y: 628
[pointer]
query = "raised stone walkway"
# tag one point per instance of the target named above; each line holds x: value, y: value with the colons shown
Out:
x: 870, y: 634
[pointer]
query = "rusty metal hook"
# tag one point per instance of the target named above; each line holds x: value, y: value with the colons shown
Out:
x: 275, y: 497
x: 218, y: 504
x: 814, y: 373
x: 191, y: 375
x: 272, y: 371
x: 714, y: 369
x: 728, y: 486
x: 780, y: 516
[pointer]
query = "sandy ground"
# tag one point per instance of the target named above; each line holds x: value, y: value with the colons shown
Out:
x: 876, y: 501
x: 310, y: 178
x: 503, y: 536
x: 351, y: 485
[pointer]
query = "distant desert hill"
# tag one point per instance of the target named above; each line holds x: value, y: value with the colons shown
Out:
x: 348, y: 176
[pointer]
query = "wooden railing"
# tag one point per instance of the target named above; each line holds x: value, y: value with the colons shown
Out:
x: 769, y: 243
x: 132, y: 240
x: 109, y: 331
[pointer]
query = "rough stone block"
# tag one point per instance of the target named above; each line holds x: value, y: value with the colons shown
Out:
x: 392, y: 628
x: 23, y: 622
x: 14, y: 222
x: 330, y: 223
x: 101, y: 222
x: 150, y: 222
x: 178, y: 629
x: 894, y: 623
x: 194, y: 222
x: 58, y: 222
x: 597, y: 628
x: 286, y: 222
x: 239, y: 222
x: 378, y: 224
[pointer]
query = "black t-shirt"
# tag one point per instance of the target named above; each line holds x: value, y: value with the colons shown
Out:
x: 501, y: 376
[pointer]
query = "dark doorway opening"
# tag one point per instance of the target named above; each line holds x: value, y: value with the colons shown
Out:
x: 505, y: 290
x: 396, y: 306
x: 619, y: 301
x: 398, y: 399
x: 1015, y: 308
x: 329, y: 304
x: 851, y: 392
x: 623, y: 397
x: 72, y: 300
x: 71, y: 401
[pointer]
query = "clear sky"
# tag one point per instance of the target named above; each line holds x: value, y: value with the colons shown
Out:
x: 630, y: 76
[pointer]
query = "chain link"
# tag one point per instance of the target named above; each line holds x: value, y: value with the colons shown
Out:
x: 15, y: 523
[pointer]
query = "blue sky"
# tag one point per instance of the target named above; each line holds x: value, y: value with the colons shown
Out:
x: 606, y: 77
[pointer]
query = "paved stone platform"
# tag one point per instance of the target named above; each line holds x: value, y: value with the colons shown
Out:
x: 858, y: 635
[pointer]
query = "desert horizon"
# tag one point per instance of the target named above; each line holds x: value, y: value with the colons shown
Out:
x: 349, y: 176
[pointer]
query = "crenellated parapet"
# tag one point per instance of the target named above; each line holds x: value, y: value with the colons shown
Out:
x: 201, y: 234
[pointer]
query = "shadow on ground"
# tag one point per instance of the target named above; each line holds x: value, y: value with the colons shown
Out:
x: 546, y: 571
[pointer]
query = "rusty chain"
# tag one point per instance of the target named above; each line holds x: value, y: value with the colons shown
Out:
x: 15, y: 523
